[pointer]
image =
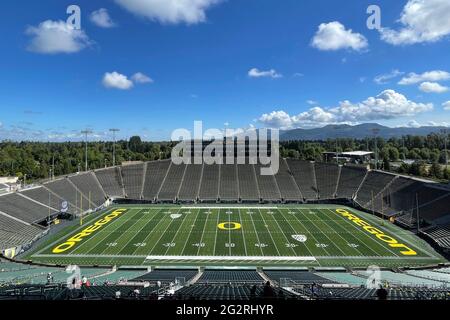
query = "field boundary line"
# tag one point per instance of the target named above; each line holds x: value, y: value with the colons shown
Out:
x: 124, y: 232
x: 351, y: 234
x: 71, y: 233
x: 101, y: 232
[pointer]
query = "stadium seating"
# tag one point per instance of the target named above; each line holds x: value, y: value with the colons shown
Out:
x: 167, y: 275
x: 133, y: 176
x: 343, y: 277
x: 111, y: 181
x: 267, y: 185
x: 44, y: 196
x: 427, y: 274
x: 154, y: 177
x: 66, y: 190
x: 374, y: 183
x: 209, y: 187
x: 88, y: 185
x: 286, y: 184
x: 403, y: 279
x: 118, y: 276
x: 229, y: 187
x: 297, y: 277
x: 230, y: 276
x: 303, y: 172
x: 327, y: 177
x: 191, y: 183
x: 24, y: 209
x: 230, y: 292
x: 349, y: 181
x: 14, y: 233
x: 172, y: 183
x: 433, y: 202
x: 440, y: 234
x: 248, y: 187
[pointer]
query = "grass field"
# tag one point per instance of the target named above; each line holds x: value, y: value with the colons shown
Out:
x: 236, y: 236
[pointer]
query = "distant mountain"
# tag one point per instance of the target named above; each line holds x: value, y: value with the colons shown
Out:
x: 356, y: 132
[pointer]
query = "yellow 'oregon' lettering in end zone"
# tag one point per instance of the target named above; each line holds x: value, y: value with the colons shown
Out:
x: 87, y: 231
x: 378, y: 233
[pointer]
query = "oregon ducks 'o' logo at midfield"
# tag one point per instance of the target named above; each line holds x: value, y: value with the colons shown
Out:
x: 229, y: 226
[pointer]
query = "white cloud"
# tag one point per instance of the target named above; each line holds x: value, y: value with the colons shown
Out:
x: 101, y: 18
x: 51, y: 37
x: 256, y: 73
x: 435, y: 75
x: 413, y: 124
x: 334, y: 36
x: 139, y: 77
x: 116, y: 80
x: 432, y: 87
x: 446, y: 105
x: 422, y: 21
x: 384, y: 78
x: 387, y: 105
x: 170, y: 11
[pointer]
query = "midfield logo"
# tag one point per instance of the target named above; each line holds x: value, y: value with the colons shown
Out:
x: 299, y: 237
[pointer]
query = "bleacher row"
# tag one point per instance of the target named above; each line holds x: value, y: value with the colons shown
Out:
x: 17, y: 279
x: 296, y: 181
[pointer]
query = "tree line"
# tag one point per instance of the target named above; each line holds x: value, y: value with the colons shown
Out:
x: 41, y: 160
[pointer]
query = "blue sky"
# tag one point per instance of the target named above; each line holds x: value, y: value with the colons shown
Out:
x: 261, y: 63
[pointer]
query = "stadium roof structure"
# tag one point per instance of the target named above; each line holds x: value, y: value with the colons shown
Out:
x: 357, y: 153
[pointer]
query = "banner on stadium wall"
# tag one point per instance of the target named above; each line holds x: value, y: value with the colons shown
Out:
x: 11, y: 252
x: 64, y: 206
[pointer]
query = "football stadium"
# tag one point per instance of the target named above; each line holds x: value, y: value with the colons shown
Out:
x: 254, y: 155
x: 221, y: 231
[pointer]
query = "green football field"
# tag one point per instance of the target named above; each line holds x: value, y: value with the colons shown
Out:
x: 292, y: 236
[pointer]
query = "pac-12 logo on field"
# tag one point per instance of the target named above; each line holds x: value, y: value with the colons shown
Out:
x: 299, y: 237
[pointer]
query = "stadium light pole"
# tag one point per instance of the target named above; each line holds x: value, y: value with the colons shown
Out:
x: 86, y: 132
x: 375, y: 133
x: 444, y: 131
x: 113, y: 130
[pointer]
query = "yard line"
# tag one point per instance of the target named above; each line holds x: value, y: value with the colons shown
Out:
x: 398, y: 234
x: 229, y: 235
x: 103, y: 233
x: 243, y: 236
x: 345, y: 243
x: 162, y: 233
x: 270, y: 234
x: 179, y: 228
x: 192, y: 228
x: 355, y: 237
x: 293, y: 229
x: 310, y: 232
x: 256, y: 232
x: 282, y: 231
x: 215, y: 240
x: 203, y: 233
x: 152, y: 232
x: 324, y: 233
x: 367, y: 235
x: 78, y: 229
x: 123, y: 233
x: 156, y: 212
